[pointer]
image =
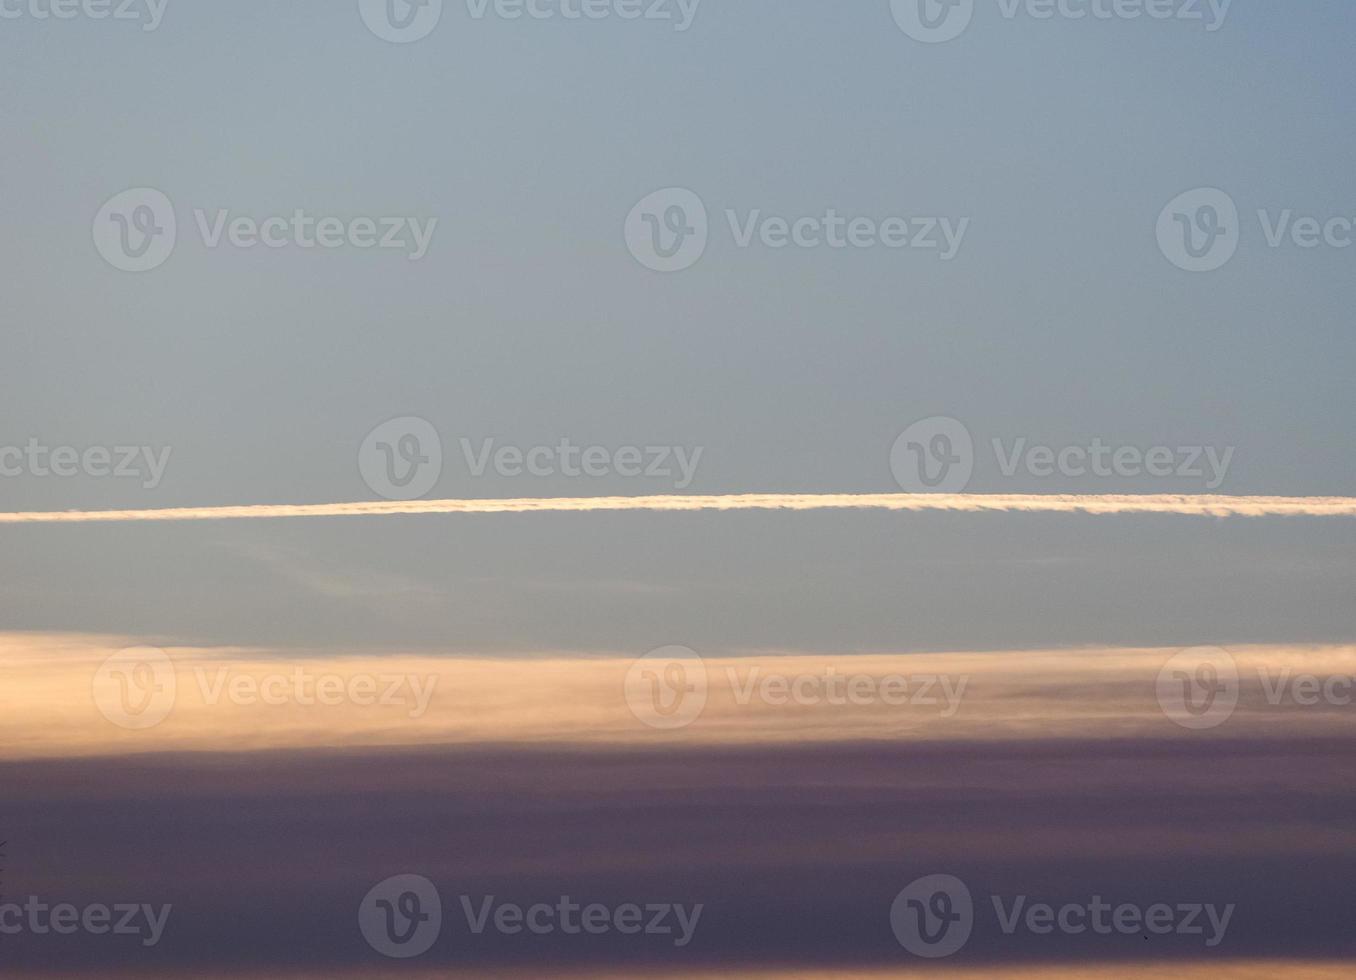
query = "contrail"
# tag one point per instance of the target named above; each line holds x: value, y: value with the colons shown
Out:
x: 1189, y: 505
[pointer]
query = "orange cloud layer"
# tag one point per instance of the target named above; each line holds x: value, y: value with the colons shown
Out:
x: 62, y: 696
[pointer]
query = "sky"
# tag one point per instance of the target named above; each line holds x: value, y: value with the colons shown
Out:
x: 527, y: 322
x: 544, y: 324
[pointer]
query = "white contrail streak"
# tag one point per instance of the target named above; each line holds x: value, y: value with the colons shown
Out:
x: 1189, y: 505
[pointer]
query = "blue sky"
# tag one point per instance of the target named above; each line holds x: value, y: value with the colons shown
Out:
x: 1058, y: 321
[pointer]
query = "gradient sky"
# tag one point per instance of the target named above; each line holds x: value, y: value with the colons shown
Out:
x: 1059, y: 322
x: 528, y: 321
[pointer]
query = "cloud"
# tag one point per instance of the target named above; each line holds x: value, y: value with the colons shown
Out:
x: 1188, y: 505
x: 258, y: 699
x: 530, y: 778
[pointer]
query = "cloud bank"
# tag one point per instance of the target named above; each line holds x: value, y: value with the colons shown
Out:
x: 53, y: 704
